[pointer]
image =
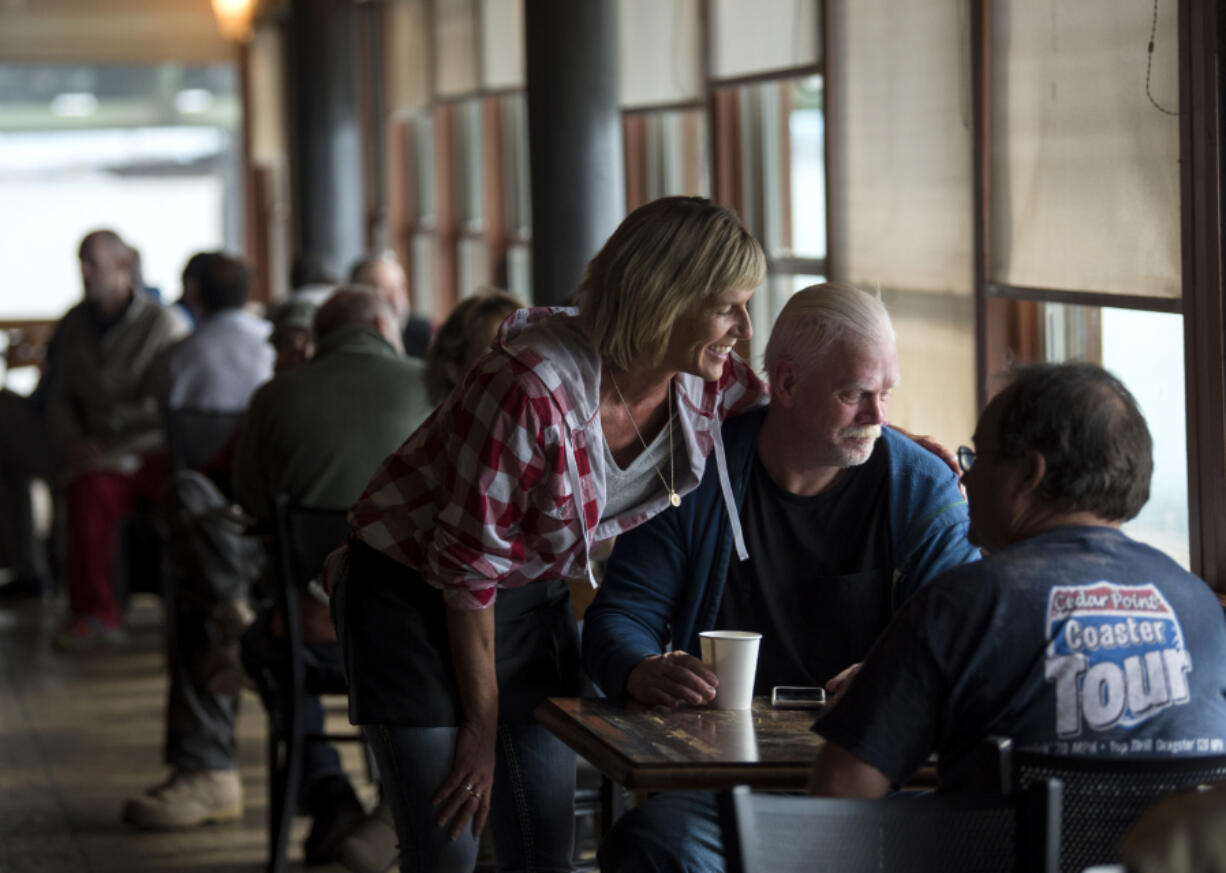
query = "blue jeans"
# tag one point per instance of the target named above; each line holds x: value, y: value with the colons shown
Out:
x: 531, y: 804
x: 673, y: 832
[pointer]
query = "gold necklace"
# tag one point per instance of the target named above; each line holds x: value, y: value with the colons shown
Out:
x: 673, y: 497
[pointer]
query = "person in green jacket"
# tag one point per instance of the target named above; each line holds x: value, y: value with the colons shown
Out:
x: 318, y: 432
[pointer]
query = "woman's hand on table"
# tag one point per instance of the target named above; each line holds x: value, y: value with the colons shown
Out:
x: 671, y: 679
x: 465, y: 796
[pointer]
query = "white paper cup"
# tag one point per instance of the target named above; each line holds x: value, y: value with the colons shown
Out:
x: 733, y: 657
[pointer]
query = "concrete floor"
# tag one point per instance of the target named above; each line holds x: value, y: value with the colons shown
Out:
x: 80, y: 733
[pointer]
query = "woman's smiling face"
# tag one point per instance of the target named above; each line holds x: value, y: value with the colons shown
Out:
x: 704, y: 335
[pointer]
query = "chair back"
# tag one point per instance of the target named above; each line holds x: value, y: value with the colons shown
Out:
x: 1104, y: 797
x: 783, y: 833
x: 196, y: 436
x: 305, y: 537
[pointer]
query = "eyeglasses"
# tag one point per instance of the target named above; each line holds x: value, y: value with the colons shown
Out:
x: 966, y: 458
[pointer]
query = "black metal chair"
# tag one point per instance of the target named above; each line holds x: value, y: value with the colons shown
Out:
x: 1103, y: 797
x: 781, y: 833
x: 196, y: 436
x: 302, y: 537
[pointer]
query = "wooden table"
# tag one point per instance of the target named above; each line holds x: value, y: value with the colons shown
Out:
x: 688, y: 748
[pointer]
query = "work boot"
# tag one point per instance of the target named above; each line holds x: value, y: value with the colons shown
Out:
x: 188, y: 800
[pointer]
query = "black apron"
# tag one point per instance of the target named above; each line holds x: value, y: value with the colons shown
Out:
x: 392, y: 632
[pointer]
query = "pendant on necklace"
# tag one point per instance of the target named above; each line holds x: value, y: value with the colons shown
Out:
x: 674, y: 498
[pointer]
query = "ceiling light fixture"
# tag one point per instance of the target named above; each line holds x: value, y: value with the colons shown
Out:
x: 234, y: 18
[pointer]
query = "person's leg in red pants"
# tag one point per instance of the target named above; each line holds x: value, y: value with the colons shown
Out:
x: 97, y: 501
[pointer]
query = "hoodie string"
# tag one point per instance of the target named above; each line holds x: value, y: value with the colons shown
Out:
x: 725, y: 485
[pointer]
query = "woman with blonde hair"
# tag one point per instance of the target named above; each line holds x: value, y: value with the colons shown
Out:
x: 578, y: 425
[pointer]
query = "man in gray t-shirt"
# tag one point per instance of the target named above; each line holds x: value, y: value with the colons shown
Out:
x: 1070, y: 638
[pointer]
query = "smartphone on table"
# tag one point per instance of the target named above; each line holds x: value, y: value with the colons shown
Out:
x: 798, y: 697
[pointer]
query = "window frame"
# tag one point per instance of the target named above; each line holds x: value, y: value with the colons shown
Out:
x: 447, y: 230
x: 726, y: 159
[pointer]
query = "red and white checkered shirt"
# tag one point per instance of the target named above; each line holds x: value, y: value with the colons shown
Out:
x: 505, y: 482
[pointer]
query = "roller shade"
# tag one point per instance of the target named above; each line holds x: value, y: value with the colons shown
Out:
x: 764, y: 35
x: 455, y: 48
x: 902, y: 197
x: 659, y: 52
x: 502, y: 44
x: 406, y: 55
x: 1084, y: 169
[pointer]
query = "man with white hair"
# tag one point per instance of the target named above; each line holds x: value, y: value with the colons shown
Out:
x: 384, y: 273
x: 843, y: 517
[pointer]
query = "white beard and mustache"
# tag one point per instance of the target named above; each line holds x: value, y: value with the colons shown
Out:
x: 853, y: 457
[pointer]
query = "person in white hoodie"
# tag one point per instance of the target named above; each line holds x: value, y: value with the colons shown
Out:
x: 577, y: 426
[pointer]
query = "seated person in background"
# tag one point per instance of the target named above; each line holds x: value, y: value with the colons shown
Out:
x: 317, y: 433
x: 843, y: 518
x: 465, y: 336
x: 103, y: 420
x: 293, y: 334
x: 217, y: 367
x: 384, y: 273
x: 187, y: 304
x: 1070, y: 638
x: 310, y: 285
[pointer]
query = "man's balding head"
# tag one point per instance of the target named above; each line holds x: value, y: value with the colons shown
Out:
x: 358, y: 305
x: 384, y: 273
x: 106, y: 272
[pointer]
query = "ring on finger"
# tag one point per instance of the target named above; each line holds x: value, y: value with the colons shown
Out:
x: 469, y: 788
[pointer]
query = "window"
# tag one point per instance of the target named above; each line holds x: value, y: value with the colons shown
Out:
x: 1145, y: 351
x: 517, y: 194
x: 667, y: 154
x: 714, y: 107
x: 149, y: 151
x: 782, y: 186
x: 1086, y: 251
x: 468, y: 190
